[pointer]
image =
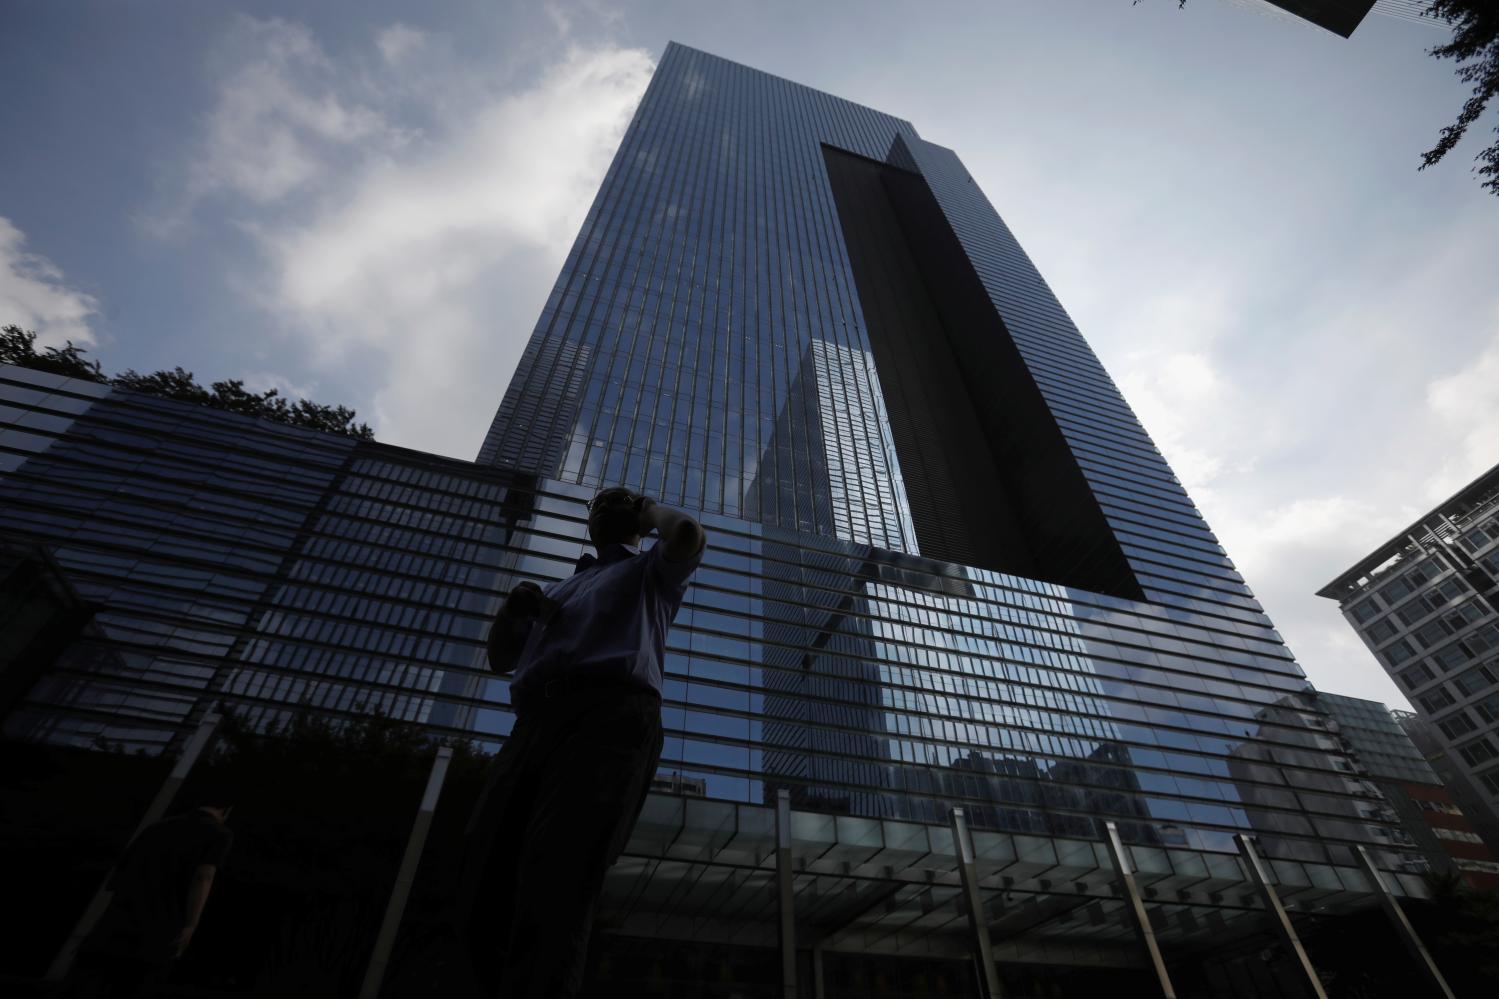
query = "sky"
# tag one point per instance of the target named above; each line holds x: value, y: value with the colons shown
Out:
x: 366, y: 203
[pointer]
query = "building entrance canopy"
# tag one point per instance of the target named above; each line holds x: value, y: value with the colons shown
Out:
x: 703, y: 870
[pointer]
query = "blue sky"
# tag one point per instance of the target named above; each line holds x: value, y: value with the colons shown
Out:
x: 367, y: 203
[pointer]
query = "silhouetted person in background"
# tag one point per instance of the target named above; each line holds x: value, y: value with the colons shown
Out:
x: 160, y: 886
x: 564, y: 791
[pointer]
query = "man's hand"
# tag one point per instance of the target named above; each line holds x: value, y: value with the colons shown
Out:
x: 647, y: 522
x: 198, y: 888
x: 524, y: 605
x: 682, y: 536
x: 526, y: 602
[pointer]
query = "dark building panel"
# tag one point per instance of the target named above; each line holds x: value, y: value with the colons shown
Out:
x: 990, y: 480
x: 1339, y: 16
x: 39, y: 615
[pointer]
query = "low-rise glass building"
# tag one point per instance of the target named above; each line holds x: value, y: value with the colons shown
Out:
x: 1430, y: 814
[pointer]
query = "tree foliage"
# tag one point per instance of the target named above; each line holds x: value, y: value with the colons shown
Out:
x: 1475, y: 48
x: 1461, y: 925
x: 18, y: 346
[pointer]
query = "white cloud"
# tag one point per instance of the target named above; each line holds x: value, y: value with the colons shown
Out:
x: 1465, y: 406
x: 399, y: 42
x: 425, y: 260
x: 262, y: 381
x: 1290, y: 551
x: 560, y: 18
x: 1172, y: 394
x: 1311, y: 412
x: 35, y: 295
x: 1177, y: 374
x: 411, y: 213
x: 284, y: 114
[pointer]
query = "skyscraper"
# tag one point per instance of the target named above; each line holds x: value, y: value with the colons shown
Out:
x: 970, y: 573
x: 777, y: 287
x: 947, y: 569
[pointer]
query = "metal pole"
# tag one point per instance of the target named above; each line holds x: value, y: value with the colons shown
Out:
x: 818, y: 990
x: 374, y: 975
x: 785, y: 894
x: 1278, y: 915
x: 1396, y: 914
x: 199, y: 741
x: 973, y: 904
x: 1136, y: 907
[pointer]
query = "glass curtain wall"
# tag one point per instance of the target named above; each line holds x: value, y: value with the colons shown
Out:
x: 275, y: 569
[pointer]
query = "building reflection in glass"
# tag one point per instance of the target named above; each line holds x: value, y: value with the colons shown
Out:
x: 1302, y: 795
x: 874, y: 707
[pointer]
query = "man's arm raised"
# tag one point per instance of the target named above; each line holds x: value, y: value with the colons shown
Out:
x: 683, y: 536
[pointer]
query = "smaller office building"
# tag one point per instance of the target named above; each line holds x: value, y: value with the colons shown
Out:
x: 1426, y: 603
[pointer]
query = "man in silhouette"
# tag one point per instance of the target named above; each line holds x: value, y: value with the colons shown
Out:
x: 563, y: 793
x: 160, y: 887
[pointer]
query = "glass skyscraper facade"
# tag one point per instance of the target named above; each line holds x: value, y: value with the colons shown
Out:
x: 947, y: 567
x: 792, y: 310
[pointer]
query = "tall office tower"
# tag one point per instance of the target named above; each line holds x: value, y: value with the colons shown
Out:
x: 971, y: 575
x: 1428, y: 810
x: 1426, y: 603
x: 789, y: 307
x: 948, y: 573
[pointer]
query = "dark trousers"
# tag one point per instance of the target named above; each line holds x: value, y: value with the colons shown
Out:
x: 104, y: 975
x: 557, y: 807
x: 127, y: 954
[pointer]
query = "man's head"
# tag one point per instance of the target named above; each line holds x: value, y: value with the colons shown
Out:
x: 215, y: 794
x: 614, y: 517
